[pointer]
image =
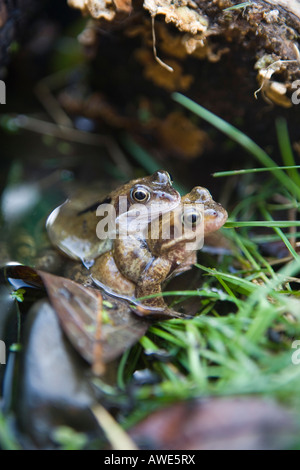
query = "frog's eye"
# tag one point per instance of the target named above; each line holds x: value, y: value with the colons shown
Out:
x: 140, y: 194
x: 191, y: 218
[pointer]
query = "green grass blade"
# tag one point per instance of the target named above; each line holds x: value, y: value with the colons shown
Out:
x: 239, y: 137
x: 253, y: 170
x: 263, y: 223
x: 239, y: 6
x: 145, y: 160
x: 281, y: 235
x: 286, y: 150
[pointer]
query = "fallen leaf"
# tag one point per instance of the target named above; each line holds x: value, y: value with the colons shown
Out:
x: 217, y: 424
x: 99, y: 327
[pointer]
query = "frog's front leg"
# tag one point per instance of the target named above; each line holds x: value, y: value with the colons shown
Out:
x: 131, y: 255
x: 184, y: 266
x: 105, y: 273
x: 150, y: 281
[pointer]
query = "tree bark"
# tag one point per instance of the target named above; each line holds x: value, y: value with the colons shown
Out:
x: 240, y: 60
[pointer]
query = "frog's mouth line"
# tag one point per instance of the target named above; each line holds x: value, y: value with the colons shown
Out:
x: 214, y: 220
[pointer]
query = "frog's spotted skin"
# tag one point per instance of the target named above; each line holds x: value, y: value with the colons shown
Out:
x: 138, y: 265
x: 72, y: 226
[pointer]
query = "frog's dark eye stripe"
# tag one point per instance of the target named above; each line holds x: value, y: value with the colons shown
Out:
x: 140, y: 194
x: 95, y: 206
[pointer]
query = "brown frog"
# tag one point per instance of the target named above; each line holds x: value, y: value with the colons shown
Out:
x: 72, y: 227
x: 138, y: 265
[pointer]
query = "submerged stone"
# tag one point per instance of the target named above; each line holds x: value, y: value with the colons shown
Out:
x: 53, y: 389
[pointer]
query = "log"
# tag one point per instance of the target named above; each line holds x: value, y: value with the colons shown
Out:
x: 265, y: 32
x: 238, y: 59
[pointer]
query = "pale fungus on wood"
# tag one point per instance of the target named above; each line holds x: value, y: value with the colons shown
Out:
x: 207, y: 30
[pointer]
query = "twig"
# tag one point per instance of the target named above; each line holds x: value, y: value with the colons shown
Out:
x: 118, y: 438
x: 75, y: 135
x: 163, y: 64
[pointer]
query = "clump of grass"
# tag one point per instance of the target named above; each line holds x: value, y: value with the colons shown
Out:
x: 248, y: 349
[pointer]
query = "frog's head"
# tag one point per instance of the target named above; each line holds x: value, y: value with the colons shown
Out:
x: 214, y: 213
x: 140, y: 201
x: 184, y: 228
x: 153, y: 190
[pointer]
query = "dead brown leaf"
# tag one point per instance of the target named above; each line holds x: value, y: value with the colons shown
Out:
x: 99, y: 327
x: 217, y: 424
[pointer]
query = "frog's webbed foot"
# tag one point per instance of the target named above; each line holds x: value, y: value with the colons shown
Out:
x: 153, y: 307
x: 157, y: 313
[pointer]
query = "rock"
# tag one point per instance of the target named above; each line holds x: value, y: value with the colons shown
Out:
x: 8, y: 321
x: 53, y: 386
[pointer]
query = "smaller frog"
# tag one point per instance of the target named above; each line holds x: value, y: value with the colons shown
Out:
x: 137, y: 266
x: 72, y: 226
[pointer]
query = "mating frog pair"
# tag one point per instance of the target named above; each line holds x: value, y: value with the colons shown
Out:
x: 162, y: 245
